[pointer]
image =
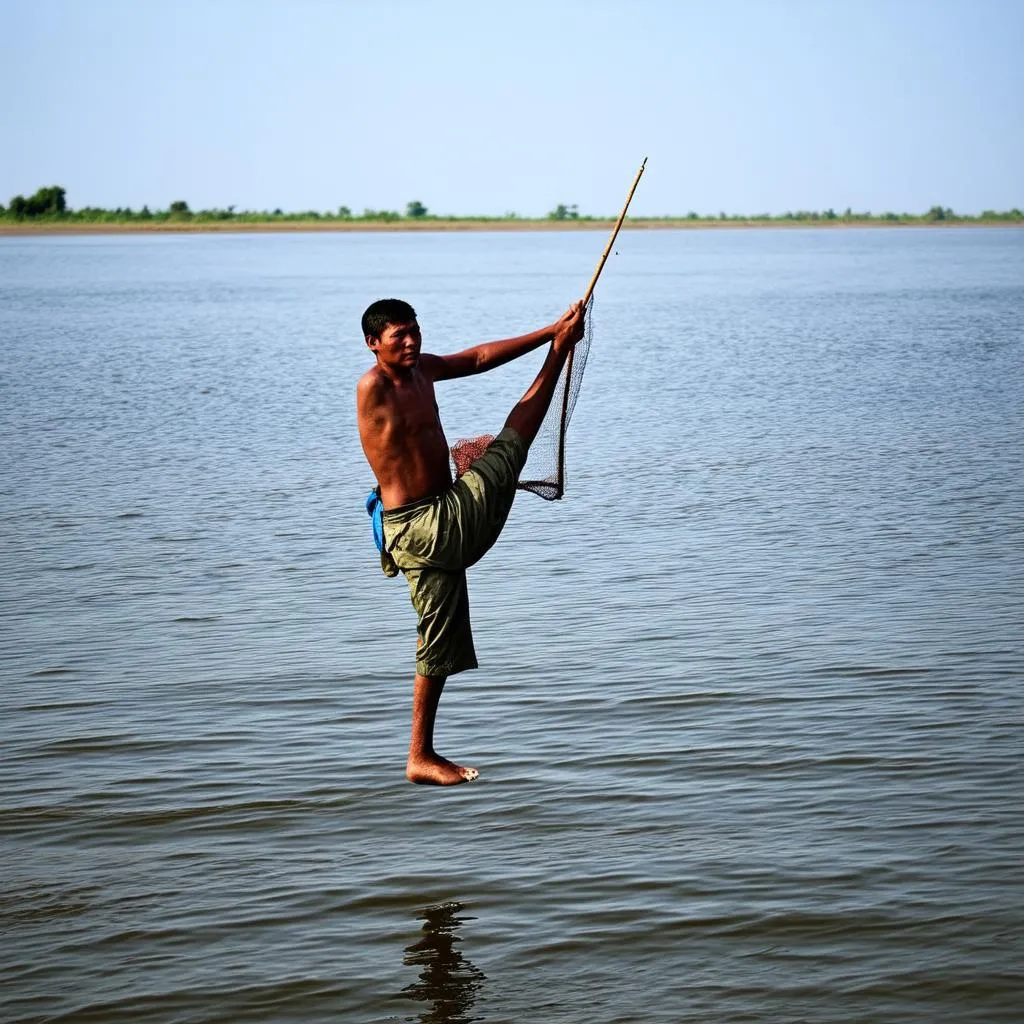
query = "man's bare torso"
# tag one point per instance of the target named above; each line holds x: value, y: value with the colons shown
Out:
x: 402, y: 435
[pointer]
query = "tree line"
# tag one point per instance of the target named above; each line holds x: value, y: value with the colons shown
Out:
x: 50, y: 205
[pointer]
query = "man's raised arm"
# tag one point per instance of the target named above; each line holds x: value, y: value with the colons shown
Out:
x: 496, y: 353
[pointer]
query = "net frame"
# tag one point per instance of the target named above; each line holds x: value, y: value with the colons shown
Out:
x: 552, y: 487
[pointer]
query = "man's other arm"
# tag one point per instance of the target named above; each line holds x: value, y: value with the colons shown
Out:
x: 491, y: 354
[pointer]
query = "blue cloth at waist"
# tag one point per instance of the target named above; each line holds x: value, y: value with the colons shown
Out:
x: 375, y: 510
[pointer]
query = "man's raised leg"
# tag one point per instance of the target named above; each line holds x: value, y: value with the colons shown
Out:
x: 425, y: 766
x: 525, y: 419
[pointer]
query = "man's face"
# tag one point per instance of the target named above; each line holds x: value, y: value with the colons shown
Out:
x: 398, y: 345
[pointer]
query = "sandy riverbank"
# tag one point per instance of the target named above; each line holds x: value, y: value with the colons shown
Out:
x: 468, y: 224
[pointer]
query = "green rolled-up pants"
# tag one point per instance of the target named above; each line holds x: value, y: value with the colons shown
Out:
x: 434, y: 541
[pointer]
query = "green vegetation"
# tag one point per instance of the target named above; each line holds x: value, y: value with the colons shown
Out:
x: 47, y: 202
x: 563, y: 212
x: 49, y: 206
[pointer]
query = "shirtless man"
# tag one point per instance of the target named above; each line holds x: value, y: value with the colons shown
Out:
x: 434, y: 527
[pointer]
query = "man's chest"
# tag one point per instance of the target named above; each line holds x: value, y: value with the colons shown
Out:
x: 415, y: 407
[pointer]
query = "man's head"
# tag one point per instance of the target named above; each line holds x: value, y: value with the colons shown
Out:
x: 392, y: 334
x: 383, y: 312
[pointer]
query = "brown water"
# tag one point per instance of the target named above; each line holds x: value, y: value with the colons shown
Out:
x: 749, y: 710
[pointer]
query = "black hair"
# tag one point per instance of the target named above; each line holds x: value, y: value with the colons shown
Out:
x: 383, y: 312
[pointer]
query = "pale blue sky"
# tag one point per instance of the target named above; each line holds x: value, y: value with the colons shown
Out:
x: 740, y: 105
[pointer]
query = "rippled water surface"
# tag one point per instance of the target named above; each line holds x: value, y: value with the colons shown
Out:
x: 749, y: 706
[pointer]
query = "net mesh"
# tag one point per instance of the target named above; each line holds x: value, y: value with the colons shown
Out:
x: 544, y: 473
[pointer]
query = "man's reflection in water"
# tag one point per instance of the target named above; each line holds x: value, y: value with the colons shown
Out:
x: 448, y: 980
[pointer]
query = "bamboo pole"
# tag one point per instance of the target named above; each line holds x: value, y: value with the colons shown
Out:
x: 611, y: 241
x: 586, y: 298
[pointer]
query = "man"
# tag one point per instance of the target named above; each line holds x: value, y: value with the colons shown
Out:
x: 434, y: 527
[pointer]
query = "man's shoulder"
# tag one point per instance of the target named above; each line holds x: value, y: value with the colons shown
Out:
x: 373, y: 384
x: 376, y: 383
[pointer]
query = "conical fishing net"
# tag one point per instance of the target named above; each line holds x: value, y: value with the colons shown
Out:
x: 544, y: 473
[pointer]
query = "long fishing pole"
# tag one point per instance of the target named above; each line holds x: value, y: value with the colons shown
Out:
x: 586, y: 298
x: 611, y: 241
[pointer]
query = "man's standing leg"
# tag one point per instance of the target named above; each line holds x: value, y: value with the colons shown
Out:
x: 425, y: 765
x: 444, y: 646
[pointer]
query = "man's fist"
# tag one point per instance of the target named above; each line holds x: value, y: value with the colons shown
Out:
x: 569, y: 328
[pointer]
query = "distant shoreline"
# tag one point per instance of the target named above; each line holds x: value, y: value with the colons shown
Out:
x: 464, y: 224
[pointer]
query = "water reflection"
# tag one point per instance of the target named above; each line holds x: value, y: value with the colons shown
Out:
x: 448, y: 981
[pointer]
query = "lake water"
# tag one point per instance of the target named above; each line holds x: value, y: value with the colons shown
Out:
x: 749, y: 711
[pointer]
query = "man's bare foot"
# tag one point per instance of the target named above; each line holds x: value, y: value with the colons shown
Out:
x: 434, y: 770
